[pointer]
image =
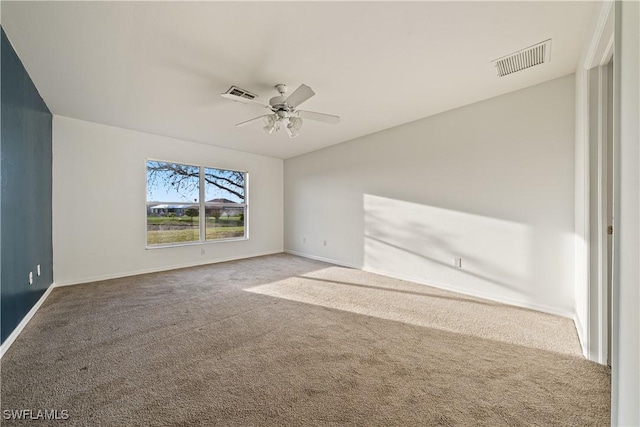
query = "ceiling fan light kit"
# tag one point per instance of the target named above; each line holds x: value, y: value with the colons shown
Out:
x: 283, y: 109
x: 270, y: 123
x: 293, y: 128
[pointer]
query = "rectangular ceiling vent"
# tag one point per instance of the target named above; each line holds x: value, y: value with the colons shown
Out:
x: 521, y: 60
x: 241, y: 93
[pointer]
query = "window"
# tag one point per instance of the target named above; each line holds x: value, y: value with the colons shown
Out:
x: 192, y: 204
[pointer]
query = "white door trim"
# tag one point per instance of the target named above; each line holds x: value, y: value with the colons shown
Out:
x: 594, y: 336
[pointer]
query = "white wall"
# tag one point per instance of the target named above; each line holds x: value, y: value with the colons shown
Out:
x: 99, y: 196
x: 625, y: 381
x: 492, y: 183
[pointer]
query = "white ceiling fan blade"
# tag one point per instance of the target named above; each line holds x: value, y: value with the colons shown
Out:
x: 244, y: 100
x: 250, y: 120
x: 320, y: 117
x: 299, y: 95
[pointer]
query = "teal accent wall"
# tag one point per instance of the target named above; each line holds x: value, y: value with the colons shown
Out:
x: 25, y: 202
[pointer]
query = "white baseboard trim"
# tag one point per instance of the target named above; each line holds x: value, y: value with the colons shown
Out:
x: 25, y: 320
x: 160, y: 269
x: 319, y: 258
x: 545, y: 309
x: 485, y: 295
x: 16, y: 332
x: 447, y: 287
x: 582, y: 336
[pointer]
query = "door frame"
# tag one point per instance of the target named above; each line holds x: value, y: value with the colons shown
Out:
x: 595, y: 333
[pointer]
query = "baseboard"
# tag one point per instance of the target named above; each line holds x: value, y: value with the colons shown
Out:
x: 582, y: 336
x: 25, y: 320
x: 319, y: 258
x: 485, y: 295
x: 551, y: 310
x: 447, y: 287
x: 16, y: 332
x: 159, y: 269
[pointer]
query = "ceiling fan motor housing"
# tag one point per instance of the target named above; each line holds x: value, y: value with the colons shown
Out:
x: 277, y: 103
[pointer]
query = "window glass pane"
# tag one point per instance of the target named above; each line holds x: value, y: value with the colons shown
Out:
x: 172, y: 182
x: 224, y: 222
x: 224, y: 186
x: 172, y: 203
x: 172, y: 223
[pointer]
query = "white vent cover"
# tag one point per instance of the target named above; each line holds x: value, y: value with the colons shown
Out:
x: 241, y: 93
x: 526, y: 58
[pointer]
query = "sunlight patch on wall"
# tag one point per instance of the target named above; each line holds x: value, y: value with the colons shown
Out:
x: 421, y: 242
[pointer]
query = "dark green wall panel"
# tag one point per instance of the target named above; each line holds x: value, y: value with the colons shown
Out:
x: 26, y: 160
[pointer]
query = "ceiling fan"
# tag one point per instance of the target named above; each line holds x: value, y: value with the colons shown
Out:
x: 283, y: 109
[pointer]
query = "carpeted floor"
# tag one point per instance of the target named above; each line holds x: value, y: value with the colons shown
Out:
x: 287, y: 341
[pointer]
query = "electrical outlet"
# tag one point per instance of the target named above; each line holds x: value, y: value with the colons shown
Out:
x: 38, y: 269
x: 457, y: 262
x: 304, y: 240
x: 324, y: 242
x: 202, y: 251
x: 31, y: 277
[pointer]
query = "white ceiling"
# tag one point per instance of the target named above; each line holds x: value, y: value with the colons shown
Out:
x: 160, y: 67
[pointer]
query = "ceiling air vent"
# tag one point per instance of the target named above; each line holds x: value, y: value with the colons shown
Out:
x: 526, y: 58
x: 236, y: 91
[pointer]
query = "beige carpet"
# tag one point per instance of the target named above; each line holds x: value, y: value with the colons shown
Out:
x: 282, y: 340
